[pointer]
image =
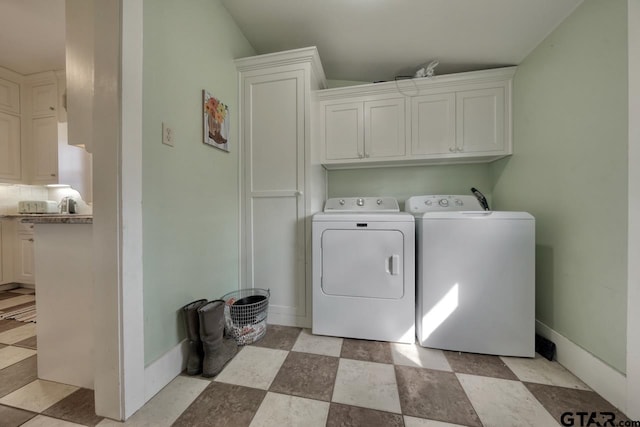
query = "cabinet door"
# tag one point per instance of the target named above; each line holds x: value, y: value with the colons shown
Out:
x: 3, y: 279
x: 433, y: 124
x: 384, y: 128
x: 44, y: 136
x: 10, y: 169
x: 274, y: 158
x: 9, y: 97
x: 480, y: 123
x: 24, y: 268
x: 342, y: 131
x: 44, y: 99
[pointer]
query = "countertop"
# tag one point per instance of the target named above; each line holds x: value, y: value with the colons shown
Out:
x: 51, y: 218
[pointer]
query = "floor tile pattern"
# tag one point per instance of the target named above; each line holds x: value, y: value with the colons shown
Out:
x: 294, y: 378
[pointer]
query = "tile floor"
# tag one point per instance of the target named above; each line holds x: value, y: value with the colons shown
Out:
x: 293, y: 378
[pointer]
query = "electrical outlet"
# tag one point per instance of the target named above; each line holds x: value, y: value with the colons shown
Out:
x: 167, y: 135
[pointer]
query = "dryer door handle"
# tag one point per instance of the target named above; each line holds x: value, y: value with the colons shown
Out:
x: 394, y: 265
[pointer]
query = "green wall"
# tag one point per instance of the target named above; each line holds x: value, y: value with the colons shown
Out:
x: 569, y: 169
x: 404, y: 182
x: 190, y: 191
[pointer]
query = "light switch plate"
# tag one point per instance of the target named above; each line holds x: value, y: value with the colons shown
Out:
x: 167, y: 135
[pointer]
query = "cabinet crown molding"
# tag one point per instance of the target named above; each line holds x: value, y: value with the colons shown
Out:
x: 296, y: 56
x: 414, y: 87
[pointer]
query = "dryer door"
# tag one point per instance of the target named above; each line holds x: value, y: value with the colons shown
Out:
x: 363, y: 263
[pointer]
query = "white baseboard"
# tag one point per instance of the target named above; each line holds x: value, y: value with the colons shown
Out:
x: 165, y: 369
x: 9, y: 286
x: 603, y: 379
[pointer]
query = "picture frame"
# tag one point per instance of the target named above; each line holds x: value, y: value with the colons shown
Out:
x: 216, y: 122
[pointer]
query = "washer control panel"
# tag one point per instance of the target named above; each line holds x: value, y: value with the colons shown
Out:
x: 441, y: 203
x: 362, y: 204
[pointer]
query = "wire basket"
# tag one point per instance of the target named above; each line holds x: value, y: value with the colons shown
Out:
x: 245, y: 314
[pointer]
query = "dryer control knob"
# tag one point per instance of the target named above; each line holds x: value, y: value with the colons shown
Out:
x: 341, y: 201
x: 443, y: 202
x: 379, y: 202
x: 428, y: 202
x: 458, y: 202
x: 360, y: 202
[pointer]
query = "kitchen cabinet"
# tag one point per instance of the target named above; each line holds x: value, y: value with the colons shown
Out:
x: 44, y: 98
x: 24, y: 266
x: 457, y: 118
x: 5, y: 258
x: 9, y: 96
x: 10, y: 127
x: 44, y: 140
x: 42, y: 129
x: 7, y: 248
x: 10, y: 148
x: 283, y: 183
x: 32, y: 151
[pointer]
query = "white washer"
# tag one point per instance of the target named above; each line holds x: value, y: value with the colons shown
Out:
x: 363, y: 270
x: 475, y: 284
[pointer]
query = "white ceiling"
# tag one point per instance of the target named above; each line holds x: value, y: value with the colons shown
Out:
x: 32, y: 35
x: 364, y: 40
x: 372, y: 40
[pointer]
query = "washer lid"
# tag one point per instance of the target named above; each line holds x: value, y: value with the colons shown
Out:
x: 441, y: 203
x: 362, y: 204
x: 475, y: 215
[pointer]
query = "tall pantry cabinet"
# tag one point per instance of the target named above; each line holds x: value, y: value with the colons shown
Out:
x: 282, y: 183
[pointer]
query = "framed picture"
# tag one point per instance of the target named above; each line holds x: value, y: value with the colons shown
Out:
x: 215, y: 122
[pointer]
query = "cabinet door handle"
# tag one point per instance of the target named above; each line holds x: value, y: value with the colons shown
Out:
x: 52, y: 108
x: 53, y: 174
x: 298, y: 193
x: 360, y: 155
x: 459, y: 149
x: 452, y: 149
x: 31, y: 240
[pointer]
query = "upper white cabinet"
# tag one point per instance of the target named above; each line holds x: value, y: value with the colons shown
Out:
x: 42, y: 127
x: 9, y: 96
x: 343, y: 130
x: 10, y: 164
x: 44, y: 98
x: 457, y: 118
x: 433, y: 124
x: 480, y: 121
x: 44, y: 140
x: 373, y: 129
x: 384, y: 128
x: 10, y: 127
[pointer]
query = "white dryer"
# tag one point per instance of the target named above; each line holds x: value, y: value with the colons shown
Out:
x: 475, y: 284
x: 363, y: 270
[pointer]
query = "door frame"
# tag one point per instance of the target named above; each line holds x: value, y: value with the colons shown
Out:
x: 117, y: 181
x: 633, y: 252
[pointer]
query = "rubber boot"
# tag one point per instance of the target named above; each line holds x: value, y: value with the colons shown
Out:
x: 192, y: 327
x: 217, y: 349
